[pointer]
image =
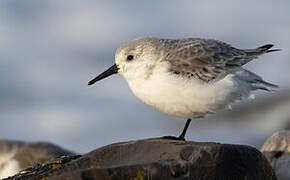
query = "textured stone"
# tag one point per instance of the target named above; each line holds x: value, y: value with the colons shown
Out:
x: 159, y: 159
x: 277, y: 151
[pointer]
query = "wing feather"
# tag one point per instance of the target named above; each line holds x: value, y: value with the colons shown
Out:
x: 204, y: 59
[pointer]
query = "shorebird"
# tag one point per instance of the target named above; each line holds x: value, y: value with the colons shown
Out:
x: 188, y: 78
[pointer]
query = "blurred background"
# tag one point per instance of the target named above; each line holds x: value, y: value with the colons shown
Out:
x: 49, y: 50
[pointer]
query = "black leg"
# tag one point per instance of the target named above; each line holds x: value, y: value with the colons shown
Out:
x: 182, y: 135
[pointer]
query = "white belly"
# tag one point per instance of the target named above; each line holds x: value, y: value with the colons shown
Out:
x: 187, y: 98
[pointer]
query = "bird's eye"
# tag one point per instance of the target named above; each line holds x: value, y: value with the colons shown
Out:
x: 130, y: 57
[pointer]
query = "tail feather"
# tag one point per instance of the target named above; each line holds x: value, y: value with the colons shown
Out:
x: 261, y: 84
x: 267, y: 48
x: 261, y: 50
x: 255, y: 81
x: 273, y: 50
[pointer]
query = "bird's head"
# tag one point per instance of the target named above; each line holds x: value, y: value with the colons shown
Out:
x: 133, y: 59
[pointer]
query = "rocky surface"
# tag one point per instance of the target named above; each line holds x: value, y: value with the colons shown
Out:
x: 17, y: 155
x: 277, y: 151
x: 158, y: 159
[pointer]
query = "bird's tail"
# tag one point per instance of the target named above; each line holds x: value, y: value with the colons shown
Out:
x: 260, y: 50
x: 261, y: 84
x: 255, y: 81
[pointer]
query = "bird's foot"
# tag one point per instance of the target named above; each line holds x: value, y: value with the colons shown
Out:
x: 180, y: 138
x: 182, y: 135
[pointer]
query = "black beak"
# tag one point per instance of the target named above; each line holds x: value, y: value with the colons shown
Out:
x: 112, y: 70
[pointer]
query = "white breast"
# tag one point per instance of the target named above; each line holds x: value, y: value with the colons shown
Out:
x: 181, y: 97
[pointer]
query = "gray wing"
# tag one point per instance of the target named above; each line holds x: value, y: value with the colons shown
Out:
x: 206, y: 59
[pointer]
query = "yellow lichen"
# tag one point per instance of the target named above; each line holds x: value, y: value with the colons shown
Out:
x: 54, y: 166
x: 140, y: 175
x: 94, y: 167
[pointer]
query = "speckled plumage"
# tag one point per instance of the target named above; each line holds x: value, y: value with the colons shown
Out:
x: 188, y: 78
x: 204, y: 59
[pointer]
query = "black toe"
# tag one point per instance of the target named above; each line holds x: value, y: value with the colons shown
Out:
x: 180, y: 138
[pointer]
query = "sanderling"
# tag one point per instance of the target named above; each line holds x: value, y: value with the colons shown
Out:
x: 189, y: 78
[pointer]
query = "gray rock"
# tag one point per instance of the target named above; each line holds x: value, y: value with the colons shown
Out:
x: 159, y: 159
x: 277, y: 151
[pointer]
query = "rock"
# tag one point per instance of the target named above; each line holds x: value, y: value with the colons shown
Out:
x: 17, y: 155
x: 159, y: 159
x: 277, y: 151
